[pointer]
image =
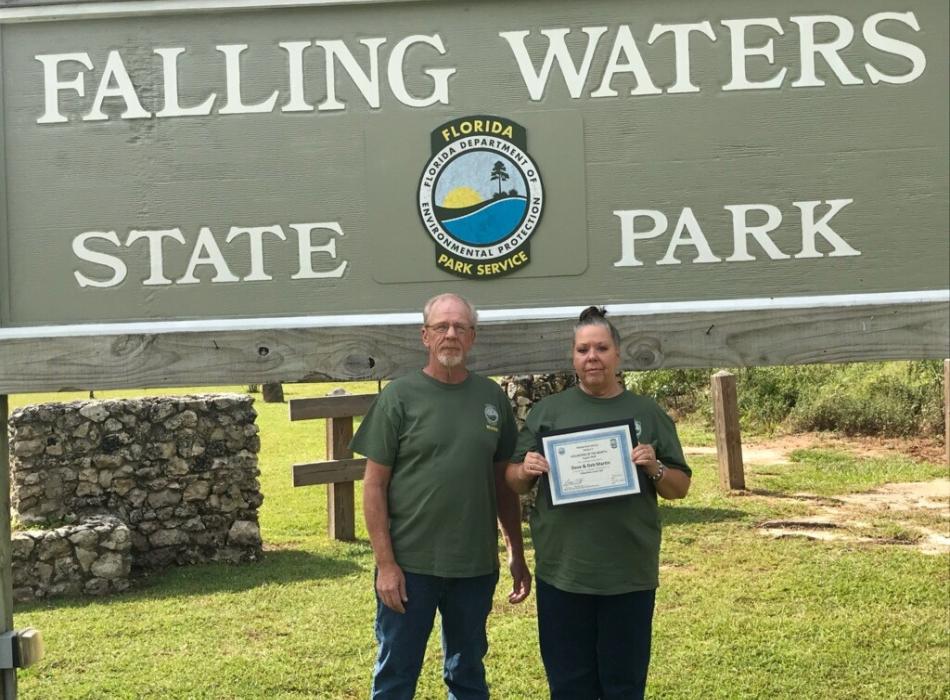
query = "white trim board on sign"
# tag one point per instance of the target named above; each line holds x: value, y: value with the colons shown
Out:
x: 553, y: 313
x: 104, y: 10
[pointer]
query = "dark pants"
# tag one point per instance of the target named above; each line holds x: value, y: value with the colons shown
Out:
x: 595, y: 647
x: 464, y: 604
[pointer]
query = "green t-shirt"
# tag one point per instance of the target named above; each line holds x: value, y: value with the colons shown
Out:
x: 441, y: 441
x: 601, y: 547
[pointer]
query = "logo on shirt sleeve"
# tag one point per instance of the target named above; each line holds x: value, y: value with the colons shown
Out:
x: 491, y: 417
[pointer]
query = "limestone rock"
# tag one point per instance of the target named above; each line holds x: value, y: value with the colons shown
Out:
x: 96, y: 586
x: 168, y: 538
x: 28, y: 448
x: 197, y: 491
x: 53, y: 548
x: 21, y: 545
x: 84, y: 539
x: 43, y: 572
x: 110, y: 565
x: 94, y: 411
x: 164, y: 498
x: 86, y: 489
x: 244, y: 533
x: 122, y: 486
x: 120, y: 539
x: 85, y: 557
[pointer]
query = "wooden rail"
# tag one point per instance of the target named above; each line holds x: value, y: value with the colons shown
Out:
x: 341, y: 470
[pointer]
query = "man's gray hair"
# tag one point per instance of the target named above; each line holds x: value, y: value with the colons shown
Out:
x: 427, y: 309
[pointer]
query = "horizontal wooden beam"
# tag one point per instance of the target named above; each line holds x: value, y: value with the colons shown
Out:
x: 700, y: 339
x: 331, y: 406
x: 329, y: 472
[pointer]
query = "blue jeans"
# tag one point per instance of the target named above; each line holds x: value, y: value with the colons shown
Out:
x: 595, y: 647
x: 464, y: 604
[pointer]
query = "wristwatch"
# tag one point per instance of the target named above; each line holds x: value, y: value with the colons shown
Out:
x: 659, y: 472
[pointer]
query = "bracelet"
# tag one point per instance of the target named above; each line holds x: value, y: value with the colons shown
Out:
x: 659, y: 472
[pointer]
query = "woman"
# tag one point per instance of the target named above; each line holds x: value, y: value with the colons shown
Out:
x: 597, y: 562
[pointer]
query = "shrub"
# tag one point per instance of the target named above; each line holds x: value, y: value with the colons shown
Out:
x: 681, y: 392
x: 888, y: 398
x: 866, y: 398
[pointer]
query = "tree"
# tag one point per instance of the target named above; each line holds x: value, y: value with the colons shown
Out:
x: 499, y: 173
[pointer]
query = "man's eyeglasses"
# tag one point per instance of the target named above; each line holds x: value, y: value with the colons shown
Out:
x: 443, y: 328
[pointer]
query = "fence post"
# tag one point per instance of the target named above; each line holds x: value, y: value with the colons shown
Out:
x: 341, y: 516
x: 728, y: 436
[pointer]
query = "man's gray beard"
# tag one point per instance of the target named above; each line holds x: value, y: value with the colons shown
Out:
x: 450, y: 360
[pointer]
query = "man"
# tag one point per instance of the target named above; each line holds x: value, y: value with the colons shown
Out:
x: 437, y: 442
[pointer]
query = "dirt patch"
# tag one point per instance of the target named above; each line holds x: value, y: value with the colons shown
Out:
x: 777, y: 450
x: 891, y: 514
x: 927, y: 495
x: 915, y: 514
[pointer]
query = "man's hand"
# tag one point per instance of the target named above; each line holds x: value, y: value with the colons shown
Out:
x: 520, y: 579
x: 391, y: 587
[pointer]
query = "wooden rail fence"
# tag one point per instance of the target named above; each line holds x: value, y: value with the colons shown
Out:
x: 340, y: 470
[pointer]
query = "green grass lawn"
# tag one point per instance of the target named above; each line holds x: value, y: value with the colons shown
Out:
x: 739, y: 615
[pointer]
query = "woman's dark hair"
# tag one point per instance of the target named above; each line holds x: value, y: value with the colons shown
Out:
x: 597, y: 316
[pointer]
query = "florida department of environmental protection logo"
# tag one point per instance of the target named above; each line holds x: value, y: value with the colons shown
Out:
x: 480, y: 196
x: 491, y: 414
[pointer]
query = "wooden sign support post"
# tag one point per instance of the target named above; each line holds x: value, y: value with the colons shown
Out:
x: 728, y: 436
x: 340, y: 471
x: 946, y: 408
x: 9, y: 686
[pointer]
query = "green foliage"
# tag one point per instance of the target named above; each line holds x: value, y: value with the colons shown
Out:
x: 679, y: 391
x: 768, y: 394
x: 890, y: 398
x: 869, y: 398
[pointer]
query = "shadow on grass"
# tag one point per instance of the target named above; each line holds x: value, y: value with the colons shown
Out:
x: 276, y: 567
x: 684, y: 515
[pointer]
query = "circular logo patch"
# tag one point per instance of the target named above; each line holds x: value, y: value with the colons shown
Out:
x: 480, y: 196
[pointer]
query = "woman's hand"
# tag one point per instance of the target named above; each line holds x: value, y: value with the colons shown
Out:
x: 521, y: 476
x: 534, y: 465
x: 645, y: 456
x: 671, y: 484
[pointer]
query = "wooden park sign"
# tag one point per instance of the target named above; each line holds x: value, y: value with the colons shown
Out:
x: 229, y: 191
x: 214, y: 191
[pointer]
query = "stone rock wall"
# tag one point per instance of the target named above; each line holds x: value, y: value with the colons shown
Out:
x: 525, y: 390
x: 180, y: 472
x: 92, y: 557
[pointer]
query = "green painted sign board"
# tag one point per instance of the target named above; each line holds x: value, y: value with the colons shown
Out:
x: 195, y: 161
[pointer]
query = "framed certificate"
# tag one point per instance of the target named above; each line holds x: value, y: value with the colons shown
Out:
x: 591, y: 462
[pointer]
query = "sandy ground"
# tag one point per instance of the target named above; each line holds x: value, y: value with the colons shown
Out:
x: 918, y: 512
